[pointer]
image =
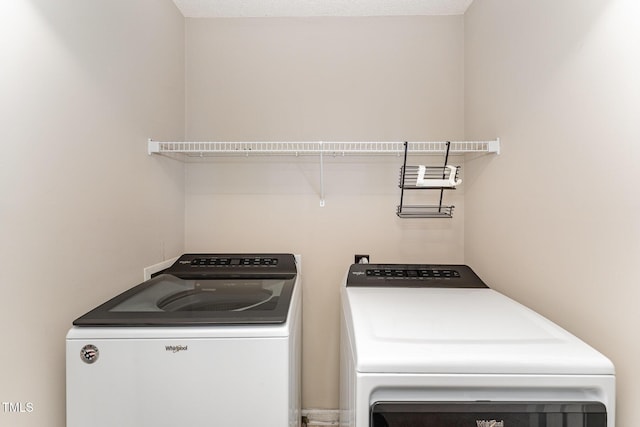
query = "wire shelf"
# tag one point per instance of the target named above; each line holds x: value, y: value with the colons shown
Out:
x: 186, y: 150
x: 205, y: 149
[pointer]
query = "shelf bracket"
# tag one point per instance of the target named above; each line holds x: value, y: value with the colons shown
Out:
x: 321, y: 175
x: 153, y: 146
x: 494, y: 146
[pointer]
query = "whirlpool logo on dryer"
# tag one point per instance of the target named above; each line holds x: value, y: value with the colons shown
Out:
x: 176, y: 348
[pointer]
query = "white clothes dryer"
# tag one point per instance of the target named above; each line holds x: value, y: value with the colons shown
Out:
x: 215, y: 340
x: 432, y: 345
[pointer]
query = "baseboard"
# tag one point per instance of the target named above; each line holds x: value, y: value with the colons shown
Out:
x: 321, y: 417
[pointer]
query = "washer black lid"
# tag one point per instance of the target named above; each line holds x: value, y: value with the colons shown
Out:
x: 414, y: 276
x: 205, y: 289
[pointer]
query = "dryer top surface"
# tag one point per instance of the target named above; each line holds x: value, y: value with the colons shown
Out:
x: 459, y: 330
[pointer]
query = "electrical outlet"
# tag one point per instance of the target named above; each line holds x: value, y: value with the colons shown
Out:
x: 361, y: 259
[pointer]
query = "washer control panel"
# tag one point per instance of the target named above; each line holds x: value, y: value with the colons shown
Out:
x: 255, y: 261
x: 413, y: 275
x: 232, y: 265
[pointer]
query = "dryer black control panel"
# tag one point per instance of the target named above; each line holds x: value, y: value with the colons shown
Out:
x: 413, y: 275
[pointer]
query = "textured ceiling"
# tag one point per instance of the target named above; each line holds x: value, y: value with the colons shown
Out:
x: 256, y: 8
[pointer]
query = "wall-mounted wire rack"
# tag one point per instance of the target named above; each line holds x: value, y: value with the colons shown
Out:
x: 423, y: 177
x: 185, y: 150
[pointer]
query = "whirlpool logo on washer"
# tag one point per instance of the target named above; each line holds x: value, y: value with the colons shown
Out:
x: 89, y: 353
x: 176, y: 348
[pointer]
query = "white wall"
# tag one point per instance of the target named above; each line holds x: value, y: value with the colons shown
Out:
x: 554, y: 221
x: 83, y: 208
x: 344, y: 79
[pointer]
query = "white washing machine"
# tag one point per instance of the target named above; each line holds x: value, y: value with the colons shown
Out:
x: 213, y: 341
x: 432, y: 345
